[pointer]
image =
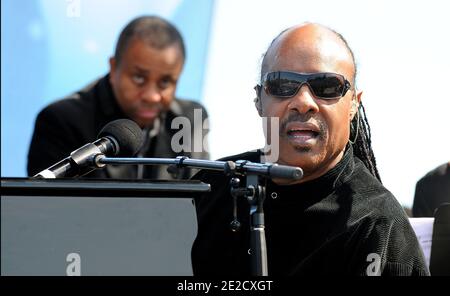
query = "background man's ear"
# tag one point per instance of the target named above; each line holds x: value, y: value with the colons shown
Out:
x: 355, y: 104
x: 112, y: 65
x: 112, y: 69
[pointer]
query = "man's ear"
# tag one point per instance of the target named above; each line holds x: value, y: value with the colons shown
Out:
x: 355, y: 104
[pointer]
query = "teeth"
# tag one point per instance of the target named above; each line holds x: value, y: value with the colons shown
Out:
x: 304, y: 131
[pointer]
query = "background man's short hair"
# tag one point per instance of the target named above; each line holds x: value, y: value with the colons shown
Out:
x: 154, y: 31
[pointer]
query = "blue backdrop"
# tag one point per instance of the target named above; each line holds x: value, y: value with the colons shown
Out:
x: 50, y: 49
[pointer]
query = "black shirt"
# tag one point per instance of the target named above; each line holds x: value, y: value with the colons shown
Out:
x: 343, y: 223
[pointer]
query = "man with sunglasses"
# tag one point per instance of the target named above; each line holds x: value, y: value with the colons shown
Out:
x: 338, y: 219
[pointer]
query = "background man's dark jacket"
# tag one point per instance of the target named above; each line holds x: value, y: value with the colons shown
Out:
x: 432, y: 190
x: 72, y: 122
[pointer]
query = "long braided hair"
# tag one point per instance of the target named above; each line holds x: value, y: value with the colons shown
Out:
x: 362, y: 143
x: 360, y: 135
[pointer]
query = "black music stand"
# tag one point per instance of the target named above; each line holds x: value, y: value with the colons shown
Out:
x: 97, y: 227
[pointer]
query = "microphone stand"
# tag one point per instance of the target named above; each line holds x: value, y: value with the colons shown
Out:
x: 254, y: 192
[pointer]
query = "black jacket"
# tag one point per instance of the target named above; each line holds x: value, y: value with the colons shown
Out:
x: 343, y: 223
x: 72, y: 122
x: 432, y: 190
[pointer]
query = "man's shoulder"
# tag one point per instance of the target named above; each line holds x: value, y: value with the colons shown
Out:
x: 380, y: 219
x: 369, y: 193
x: 64, y: 110
x: 65, y: 104
x: 436, y: 175
x: 79, y: 103
x: 362, y: 181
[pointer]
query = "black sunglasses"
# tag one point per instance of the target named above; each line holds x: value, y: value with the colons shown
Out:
x: 284, y: 84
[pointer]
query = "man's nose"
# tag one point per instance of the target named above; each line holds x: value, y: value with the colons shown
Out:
x: 304, y: 101
x: 151, y: 94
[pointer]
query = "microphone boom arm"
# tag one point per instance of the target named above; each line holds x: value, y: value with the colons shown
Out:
x: 241, y: 167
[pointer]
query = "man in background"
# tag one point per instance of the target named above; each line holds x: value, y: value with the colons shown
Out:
x: 140, y: 85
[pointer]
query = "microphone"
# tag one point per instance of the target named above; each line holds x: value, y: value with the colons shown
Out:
x: 270, y: 170
x: 285, y: 172
x: 121, y: 137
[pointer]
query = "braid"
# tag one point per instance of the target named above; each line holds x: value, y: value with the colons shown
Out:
x: 362, y: 145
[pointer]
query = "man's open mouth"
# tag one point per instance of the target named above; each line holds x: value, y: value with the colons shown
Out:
x: 302, y: 133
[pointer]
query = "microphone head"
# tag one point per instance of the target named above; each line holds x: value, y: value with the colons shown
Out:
x: 128, y: 135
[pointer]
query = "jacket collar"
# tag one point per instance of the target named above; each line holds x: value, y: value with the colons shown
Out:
x: 322, y: 186
x: 107, y: 99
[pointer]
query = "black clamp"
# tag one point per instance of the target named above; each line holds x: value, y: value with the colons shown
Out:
x: 230, y: 168
x: 240, y: 165
x: 175, y: 169
x: 180, y: 160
